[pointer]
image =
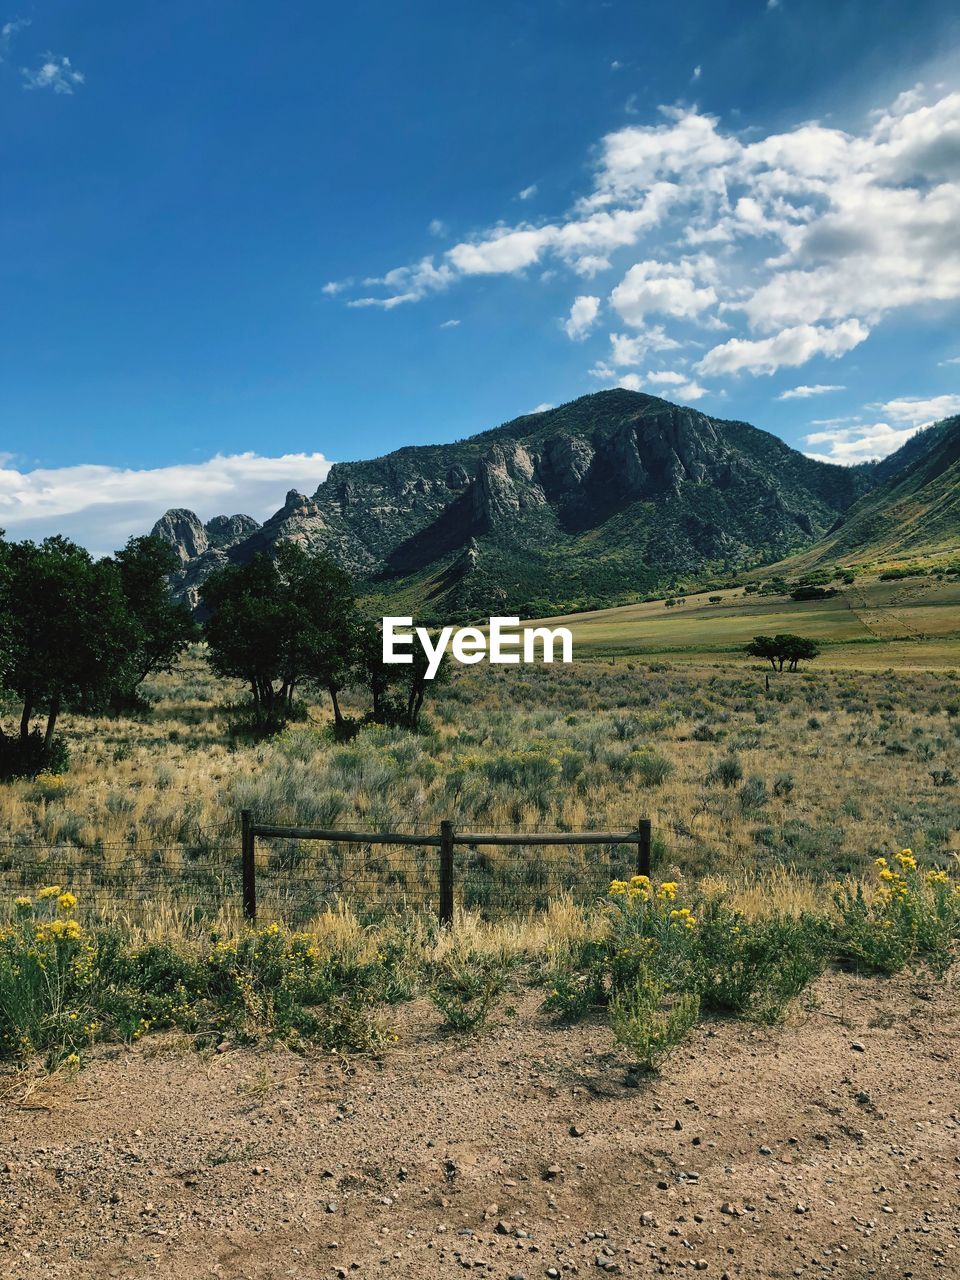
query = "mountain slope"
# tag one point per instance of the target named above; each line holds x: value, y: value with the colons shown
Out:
x: 612, y: 495
x: 914, y: 510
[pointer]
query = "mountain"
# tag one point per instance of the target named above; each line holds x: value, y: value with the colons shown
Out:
x: 610, y: 496
x: 200, y: 547
x: 914, y: 508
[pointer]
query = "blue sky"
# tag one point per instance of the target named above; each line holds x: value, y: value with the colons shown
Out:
x: 720, y: 203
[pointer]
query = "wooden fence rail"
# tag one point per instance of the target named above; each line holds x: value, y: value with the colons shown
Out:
x: 445, y: 841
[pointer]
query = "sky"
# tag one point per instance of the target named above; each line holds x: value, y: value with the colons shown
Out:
x: 239, y: 244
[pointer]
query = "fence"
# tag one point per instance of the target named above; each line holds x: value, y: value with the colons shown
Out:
x: 294, y: 873
x: 446, y: 842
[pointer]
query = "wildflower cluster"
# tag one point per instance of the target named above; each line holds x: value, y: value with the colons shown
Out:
x: 909, y: 916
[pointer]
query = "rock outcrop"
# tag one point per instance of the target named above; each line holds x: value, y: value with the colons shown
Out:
x: 201, y: 548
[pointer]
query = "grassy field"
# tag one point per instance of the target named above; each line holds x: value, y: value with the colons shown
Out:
x: 912, y: 623
x: 785, y: 785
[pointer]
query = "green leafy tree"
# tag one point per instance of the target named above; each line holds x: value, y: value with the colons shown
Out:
x: 281, y: 623
x: 783, y: 649
x: 68, y: 637
x: 163, y: 627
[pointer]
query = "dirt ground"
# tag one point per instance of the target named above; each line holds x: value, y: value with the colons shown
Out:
x: 830, y: 1145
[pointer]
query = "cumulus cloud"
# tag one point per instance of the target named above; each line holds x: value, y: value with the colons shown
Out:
x: 799, y: 240
x: 790, y: 347
x: 803, y: 392
x: 583, y: 315
x: 862, y: 442
x: 627, y: 349
x: 920, y: 410
x: 849, y: 445
x: 55, y: 73
x: 101, y: 506
x: 679, y: 385
x: 666, y: 288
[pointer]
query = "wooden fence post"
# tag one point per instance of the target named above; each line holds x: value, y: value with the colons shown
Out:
x: 643, y: 848
x: 249, y: 851
x: 446, y: 872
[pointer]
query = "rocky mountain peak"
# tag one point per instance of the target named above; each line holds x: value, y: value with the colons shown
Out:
x: 182, y: 530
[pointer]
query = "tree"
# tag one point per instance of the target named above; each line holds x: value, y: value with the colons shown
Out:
x: 783, y: 648
x: 280, y: 623
x: 163, y: 627
x: 378, y: 676
x: 798, y: 648
x: 68, y: 635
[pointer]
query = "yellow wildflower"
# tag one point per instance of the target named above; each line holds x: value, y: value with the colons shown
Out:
x: 67, y: 901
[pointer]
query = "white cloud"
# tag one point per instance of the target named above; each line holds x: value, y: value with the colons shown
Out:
x: 866, y: 442
x: 590, y: 265
x: 54, y: 73
x: 665, y: 288
x: 811, y: 230
x: 438, y: 227
x: 528, y: 192
x: 542, y: 408
x: 690, y: 391
x: 101, y: 506
x: 630, y: 382
x: 920, y: 411
x: 803, y: 392
x: 849, y: 445
x: 8, y: 31
x: 633, y: 349
x: 952, y: 360
x: 450, y: 324
x: 697, y: 72
x: 680, y: 385
x: 787, y: 348
x: 583, y: 315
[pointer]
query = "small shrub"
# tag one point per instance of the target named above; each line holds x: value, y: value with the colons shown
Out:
x: 727, y: 771
x: 650, y: 1021
x: 783, y: 785
x: 753, y: 794
x: 466, y: 988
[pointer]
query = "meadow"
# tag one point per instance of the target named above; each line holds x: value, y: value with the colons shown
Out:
x: 912, y: 623
x: 747, y: 779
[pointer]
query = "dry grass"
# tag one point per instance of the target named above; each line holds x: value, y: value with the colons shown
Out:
x: 837, y: 767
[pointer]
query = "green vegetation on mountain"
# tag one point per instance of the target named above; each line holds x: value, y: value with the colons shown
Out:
x: 914, y: 511
x: 610, y: 497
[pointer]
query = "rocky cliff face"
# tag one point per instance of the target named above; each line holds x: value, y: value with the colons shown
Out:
x: 200, y: 547
x: 612, y: 494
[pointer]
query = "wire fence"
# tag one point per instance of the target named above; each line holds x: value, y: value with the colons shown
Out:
x: 297, y: 879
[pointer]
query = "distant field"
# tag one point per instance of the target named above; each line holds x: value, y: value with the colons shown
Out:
x: 913, y: 623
